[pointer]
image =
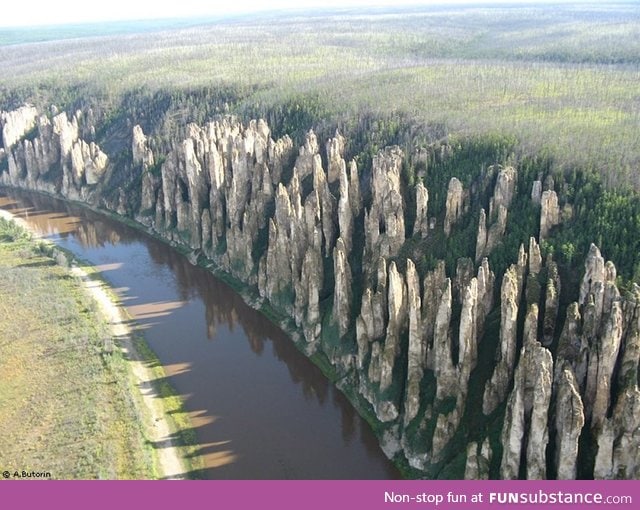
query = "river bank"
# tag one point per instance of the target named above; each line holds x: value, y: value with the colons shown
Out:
x: 259, y: 407
x: 101, y: 369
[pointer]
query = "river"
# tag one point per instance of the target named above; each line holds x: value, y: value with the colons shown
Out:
x: 260, y: 408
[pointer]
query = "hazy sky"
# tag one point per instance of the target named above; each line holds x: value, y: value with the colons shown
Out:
x: 45, y: 12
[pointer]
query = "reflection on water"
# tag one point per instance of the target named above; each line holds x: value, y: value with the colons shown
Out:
x: 261, y: 412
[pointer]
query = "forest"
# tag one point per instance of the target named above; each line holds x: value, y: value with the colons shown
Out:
x: 560, y: 79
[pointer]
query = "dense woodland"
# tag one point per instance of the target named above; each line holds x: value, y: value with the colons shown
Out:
x: 552, y: 91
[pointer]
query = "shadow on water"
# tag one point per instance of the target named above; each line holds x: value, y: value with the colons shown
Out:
x: 248, y: 420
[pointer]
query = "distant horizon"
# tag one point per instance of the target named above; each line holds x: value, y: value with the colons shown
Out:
x: 45, y: 14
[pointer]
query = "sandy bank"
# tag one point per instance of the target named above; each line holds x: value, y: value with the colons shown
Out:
x: 157, y: 425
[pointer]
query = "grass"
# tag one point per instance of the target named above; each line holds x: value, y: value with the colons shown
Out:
x: 67, y: 399
x: 562, y: 79
x: 181, y: 427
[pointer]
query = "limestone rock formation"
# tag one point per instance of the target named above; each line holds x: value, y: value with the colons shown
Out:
x: 379, y: 300
x: 421, y: 226
x: 454, y: 205
x: 504, y: 190
x: 496, y: 389
x: 478, y: 461
x: 416, y: 353
x: 536, y: 192
x: 345, y: 210
x: 603, y: 466
x: 569, y: 422
x: 446, y: 426
x: 371, y: 323
x: 535, y: 258
x: 67, y: 131
x: 594, y: 273
x: 452, y: 378
x: 308, y: 156
x: 149, y: 195
x: 489, y: 237
x: 618, y: 436
x: 526, y: 418
x: 603, y: 326
x: 384, y: 352
x: 572, y: 347
x: 308, y: 294
x: 496, y: 230
x: 486, y: 282
x: 512, y: 434
x: 549, y: 213
x: 551, y: 303
x: 278, y: 258
x: 15, y: 124
x: 433, y: 288
x: 602, y: 360
x: 278, y: 153
x: 481, y: 238
x: 79, y: 164
x: 219, y: 177
x: 468, y: 334
x: 342, y: 296
x: 384, y: 222
x: 464, y: 273
x: 327, y: 207
x: 42, y: 153
x: 362, y: 332
x: 218, y: 192
x: 539, y: 427
x: 142, y: 155
x: 618, y: 439
x: 88, y: 161
x: 335, y: 154
x: 397, y: 299
x: 354, y: 188
x: 444, y: 368
x: 629, y: 368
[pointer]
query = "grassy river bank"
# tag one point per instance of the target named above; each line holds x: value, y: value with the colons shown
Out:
x: 77, y: 394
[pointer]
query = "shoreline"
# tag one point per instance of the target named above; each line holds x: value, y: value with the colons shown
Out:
x: 361, y: 406
x: 157, y: 425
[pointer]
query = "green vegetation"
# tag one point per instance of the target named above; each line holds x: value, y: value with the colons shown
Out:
x: 67, y: 400
x: 560, y: 79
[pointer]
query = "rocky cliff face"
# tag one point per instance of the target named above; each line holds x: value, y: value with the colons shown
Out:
x: 326, y: 248
x: 421, y: 226
x: 549, y: 213
x: 55, y: 158
x: 569, y: 423
x: 491, y: 228
x: 384, y: 221
x: 527, y: 414
x: 497, y: 387
x: 17, y: 123
x: 454, y: 205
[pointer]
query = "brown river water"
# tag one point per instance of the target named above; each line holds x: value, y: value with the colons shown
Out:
x: 260, y: 408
